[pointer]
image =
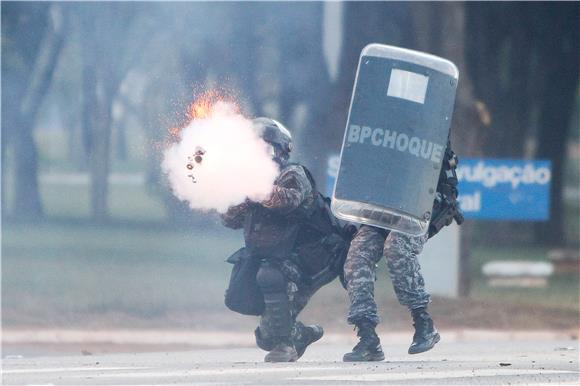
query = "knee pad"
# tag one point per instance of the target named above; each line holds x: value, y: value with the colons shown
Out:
x: 270, y: 279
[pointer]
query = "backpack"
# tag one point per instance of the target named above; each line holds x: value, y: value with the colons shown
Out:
x: 323, y: 240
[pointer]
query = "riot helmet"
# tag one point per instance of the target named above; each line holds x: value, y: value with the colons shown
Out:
x: 278, y: 136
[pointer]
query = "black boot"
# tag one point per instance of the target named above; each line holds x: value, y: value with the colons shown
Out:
x: 303, y: 336
x: 426, y: 336
x: 264, y: 342
x: 368, y: 349
x: 276, y: 323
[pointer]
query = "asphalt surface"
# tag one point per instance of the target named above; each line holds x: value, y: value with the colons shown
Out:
x: 458, y: 362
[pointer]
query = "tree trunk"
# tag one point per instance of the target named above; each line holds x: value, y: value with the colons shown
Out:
x: 27, y: 202
x: 516, y: 128
x: 121, y: 150
x: 96, y: 119
x: 244, y: 57
x: 482, y: 57
x: 99, y: 160
x: 466, y: 125
x: 311, y: 135
x: 3, y: 171
x: 106, y: 62
x: 559, y: 56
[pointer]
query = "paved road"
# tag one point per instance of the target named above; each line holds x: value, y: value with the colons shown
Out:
x: 525, y: 362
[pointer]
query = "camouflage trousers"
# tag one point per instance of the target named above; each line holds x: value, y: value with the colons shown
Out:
x: 401, y: 251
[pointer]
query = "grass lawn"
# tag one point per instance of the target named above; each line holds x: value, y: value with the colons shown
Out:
x: 61, y: 274
x: 125, y: 203
x: 137, y: 271
x: 56, y: 272
x: 563, y: 290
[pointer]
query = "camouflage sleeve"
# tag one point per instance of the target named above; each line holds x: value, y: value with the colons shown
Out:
x: 290, y: 190
x: 235, y: 216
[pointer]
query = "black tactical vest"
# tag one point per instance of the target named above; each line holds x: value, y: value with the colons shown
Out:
x: 269, y: 234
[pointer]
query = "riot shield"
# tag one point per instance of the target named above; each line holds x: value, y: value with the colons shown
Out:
x: 395, y: 138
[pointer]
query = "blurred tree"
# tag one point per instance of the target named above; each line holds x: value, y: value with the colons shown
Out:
x: 440, y: 29
x: 32, y: 39
x: 525, y: 70
x: 109, y: 51
x: 556, y: 28
x: 499, y: 61
x: 175, y: 66
x: 363, y: 23
x: 64, y: 96
x: 304, y: 80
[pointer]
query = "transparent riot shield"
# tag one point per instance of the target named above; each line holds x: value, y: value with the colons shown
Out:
x: 395, y: 139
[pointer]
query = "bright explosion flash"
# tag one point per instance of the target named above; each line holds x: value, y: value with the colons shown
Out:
x: 219, y: 159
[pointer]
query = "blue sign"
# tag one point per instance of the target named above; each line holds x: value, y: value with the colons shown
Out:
x: 494, y: 189
x: 504, y: 189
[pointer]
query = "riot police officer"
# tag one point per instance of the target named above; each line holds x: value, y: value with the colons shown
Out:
x: 369, y: 245
x: 273, y: 229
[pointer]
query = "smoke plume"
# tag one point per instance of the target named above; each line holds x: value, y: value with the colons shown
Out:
x: 220, y: 161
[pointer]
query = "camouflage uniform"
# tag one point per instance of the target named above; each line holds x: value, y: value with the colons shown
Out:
x: 367, y: 248
x: 401, y: 252
x: 292, y: 191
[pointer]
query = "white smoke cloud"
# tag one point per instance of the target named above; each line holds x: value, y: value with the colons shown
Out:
x: 237, y: 163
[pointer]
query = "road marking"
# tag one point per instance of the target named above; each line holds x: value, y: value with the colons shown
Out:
x: 340, y: 373
x: 66, y: 369
x: 443, y: 374
x: 292, y: 372
x: 227, y: 372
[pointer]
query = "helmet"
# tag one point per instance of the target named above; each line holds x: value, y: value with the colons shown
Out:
x: 276, y: 135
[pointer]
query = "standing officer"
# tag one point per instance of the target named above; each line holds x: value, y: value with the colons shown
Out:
x: 401, y: 251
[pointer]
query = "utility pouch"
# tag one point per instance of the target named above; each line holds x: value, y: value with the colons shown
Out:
x: 243, y: 294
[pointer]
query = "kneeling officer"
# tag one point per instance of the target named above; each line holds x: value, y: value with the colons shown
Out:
x: 293, y: 246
